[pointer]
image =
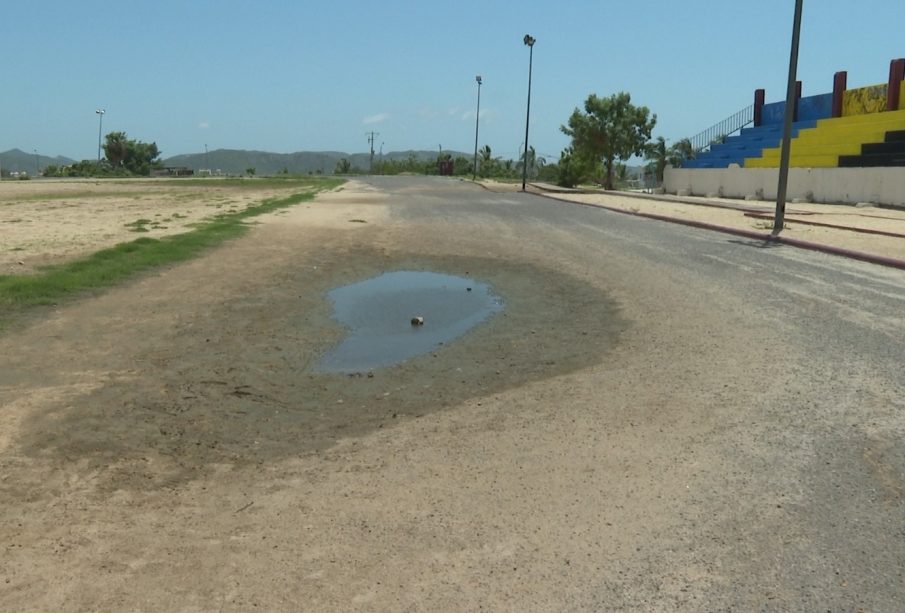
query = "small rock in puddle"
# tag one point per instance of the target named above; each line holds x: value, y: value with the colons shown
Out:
x: 381, y: 328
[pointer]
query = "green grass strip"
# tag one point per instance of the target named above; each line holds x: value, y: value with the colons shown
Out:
x: 116, y: 264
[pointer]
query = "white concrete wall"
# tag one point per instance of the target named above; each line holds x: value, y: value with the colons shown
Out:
x: 842, y: 185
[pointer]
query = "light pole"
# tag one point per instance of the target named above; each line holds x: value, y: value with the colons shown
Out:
x: 37, y: 164
x: 100, y: 128
x: 477, y: 119
x: 785, y: 153
x: 528, y: 40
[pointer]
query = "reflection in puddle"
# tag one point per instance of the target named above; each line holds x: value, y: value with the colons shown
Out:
x: 379, y: 314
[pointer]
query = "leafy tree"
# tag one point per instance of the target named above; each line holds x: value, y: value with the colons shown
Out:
x: 343, y: 167
x: 533, y: 162
x: 657, y: 155
x: 250, y: 171
x: 462, y: 166
x: 571, y: 169
x: 609, y: 129
x: 680, y: 151
x: 115, y: 147
x: 486, y: 154
x: 127, y: 156
x: 549, y: 173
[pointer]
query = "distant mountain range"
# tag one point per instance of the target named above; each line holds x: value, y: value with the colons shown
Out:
x: 16, y: 160
x: 236, y: 161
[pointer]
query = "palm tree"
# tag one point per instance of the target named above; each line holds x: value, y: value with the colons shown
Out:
x: 658, y: 156
x: 680, y: 151
x: 533, y: 162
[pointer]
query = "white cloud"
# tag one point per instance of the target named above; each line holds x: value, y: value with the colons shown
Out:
x: 204, y: 125
x: 379, y: 117
x: 469, y: 115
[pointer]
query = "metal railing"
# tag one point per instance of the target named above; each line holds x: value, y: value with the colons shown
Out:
x: 718, y: 131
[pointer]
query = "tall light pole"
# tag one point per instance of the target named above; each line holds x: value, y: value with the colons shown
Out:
x: 786, y: 152
x: 100, y: 128
x: 477, y: 119
x: 528, y: 40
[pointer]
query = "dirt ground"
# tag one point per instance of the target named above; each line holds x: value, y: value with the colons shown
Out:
x: 164, y: 446
x: 153, y: 432
x: 47, y: 221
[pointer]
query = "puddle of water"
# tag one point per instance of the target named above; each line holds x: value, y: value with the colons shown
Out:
x: 378, y: 313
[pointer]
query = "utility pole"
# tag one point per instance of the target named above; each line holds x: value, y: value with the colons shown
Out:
x: 529, y: 41
x: 371, y: 136
x: 100, y: 128
x: 786, y: 151
x: 477, y: 119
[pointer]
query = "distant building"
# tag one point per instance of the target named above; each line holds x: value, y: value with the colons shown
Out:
x: 173, y: 171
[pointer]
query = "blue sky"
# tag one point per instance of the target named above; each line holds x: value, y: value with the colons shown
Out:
x: 295, y: 75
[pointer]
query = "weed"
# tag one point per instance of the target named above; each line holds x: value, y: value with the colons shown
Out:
x: 110, y: 266
x: 138, y: 225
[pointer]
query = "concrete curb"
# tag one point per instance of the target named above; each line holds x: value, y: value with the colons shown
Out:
x: 761, y: 236
x: 769, y: 216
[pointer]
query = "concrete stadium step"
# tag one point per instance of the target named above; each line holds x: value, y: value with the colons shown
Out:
x: 802, y: 161
x: 884, y: 147
x: 872, y: 160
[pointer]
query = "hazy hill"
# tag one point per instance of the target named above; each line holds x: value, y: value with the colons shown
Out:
x: 236, y: 161
x: 16, y: 160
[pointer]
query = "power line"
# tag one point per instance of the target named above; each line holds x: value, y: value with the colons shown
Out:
x: 371, y: 136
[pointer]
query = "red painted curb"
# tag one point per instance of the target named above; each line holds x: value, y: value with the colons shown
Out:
x: 830, y: 225
x: 792, y: 242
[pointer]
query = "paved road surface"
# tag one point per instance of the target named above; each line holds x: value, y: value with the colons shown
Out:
x: 662, y: 418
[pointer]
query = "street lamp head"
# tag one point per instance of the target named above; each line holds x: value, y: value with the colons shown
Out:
x: 529, y: 40
x: 478, y: 79
x: 100, y: 111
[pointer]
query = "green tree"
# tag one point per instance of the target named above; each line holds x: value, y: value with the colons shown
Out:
x: 571, y: 169
x: 680, y: 151
x: 533, y: 163
x: 343, y: 167
x: 462, y: 166
x: 142, y: 157
x: 130, y: 156
x: 609, y: 129
x: 116, y: 148
x: 657, y: 155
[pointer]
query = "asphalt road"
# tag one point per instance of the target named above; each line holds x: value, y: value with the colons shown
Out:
x: 660, y: 418
x: 799, y: 363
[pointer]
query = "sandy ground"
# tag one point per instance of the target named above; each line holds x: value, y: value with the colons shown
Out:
x: 164, y: 446
x: 47, y: 221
